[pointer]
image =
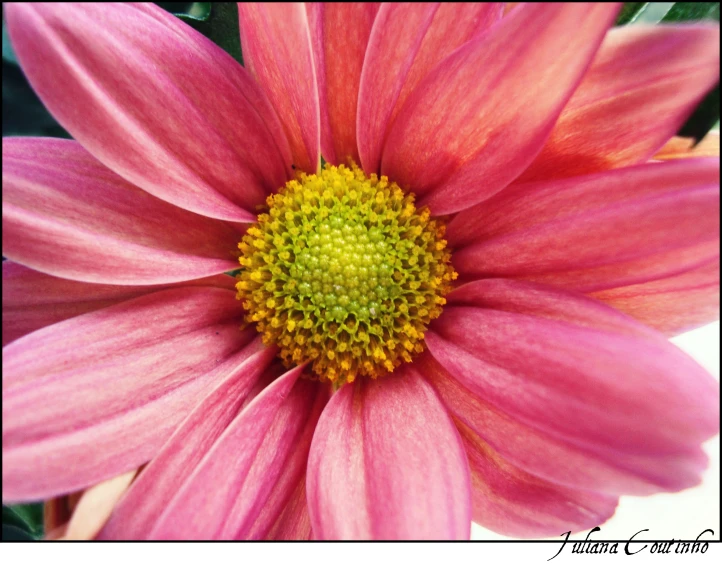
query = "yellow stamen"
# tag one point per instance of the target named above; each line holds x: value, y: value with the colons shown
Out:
x: 343, y: 271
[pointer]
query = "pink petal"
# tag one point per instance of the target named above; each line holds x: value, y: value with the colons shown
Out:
x: 660, y: 71
x: 386, y: 462
x: 137, y: 513
x: 485, y: 111
x: 257, y: 454
x: 674, y: 304
x: 453, y: 25
x: 32, y: 300
x: 293, y: 523
x: 598, y: 231
x: 99, y: 394
x: 396, y: 38
x: 339, y: 50
x: 514, y: 503
x: 66, y: 214
x: 508, y: 211
x: 407, y: 41
x: 156, y: 102
x: 283, y: 513
x: 575, y: 369
x: 277, y: 50
x: 555, y: 459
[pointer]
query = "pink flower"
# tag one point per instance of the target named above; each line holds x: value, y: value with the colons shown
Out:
x: 535, y: 403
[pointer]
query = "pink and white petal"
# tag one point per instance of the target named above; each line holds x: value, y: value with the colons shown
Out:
x: 276, y: 44
x: 386, y: 462
x: 512, y: 502
x: 395, y: 39
x: 156, y: 102
x: 547, y: 456
x: 575, y: 369
x: 639, y: 71
x: 486, y: 110
x: 32, y: 300
x: 406, y: 42
x: 283, y: 513
x: 339, y: 50
x: 510, y: 210
x: 137, y: 513
x: 106, y: 389
x: 293, y: 522
x: 674, y: 304
x: 595, y: 232
x: 454, y: 24
x: 66, y: 214
x: 254, y: 457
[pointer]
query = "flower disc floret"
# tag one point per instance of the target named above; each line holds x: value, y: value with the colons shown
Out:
x: 344, y: 272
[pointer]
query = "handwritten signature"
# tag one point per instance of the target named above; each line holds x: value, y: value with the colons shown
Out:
x: 588, y: 546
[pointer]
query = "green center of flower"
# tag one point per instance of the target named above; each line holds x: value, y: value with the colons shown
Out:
x: 343, y: 271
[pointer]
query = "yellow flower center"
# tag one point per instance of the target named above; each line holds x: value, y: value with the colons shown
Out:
x: 343, y: 271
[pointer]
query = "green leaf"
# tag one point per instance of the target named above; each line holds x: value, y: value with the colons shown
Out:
x: 176, y: 7
x: 199, y: 11
x: 13, y: 533
x: 28, y: 517
x: 653, y: 12
x: 23, y: 113
x: 219, y: 24
x: 643, y: 12
x: 630, y: 11
x: 8, y: 53
x: 692, y: 11
x: 707, y: 114
x: 704, y: 118
x: 32, y: 514
x: 10, y: 517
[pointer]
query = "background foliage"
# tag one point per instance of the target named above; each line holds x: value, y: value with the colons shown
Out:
x: 24, y: 115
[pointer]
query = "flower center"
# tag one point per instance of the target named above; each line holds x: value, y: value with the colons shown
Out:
x: 343, y: 271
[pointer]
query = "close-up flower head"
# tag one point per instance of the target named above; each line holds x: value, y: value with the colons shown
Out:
x: 366, y: 271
